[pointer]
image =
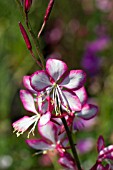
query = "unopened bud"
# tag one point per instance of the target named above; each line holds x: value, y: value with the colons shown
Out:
x: 48, y: 10
x: 46, y: 16
x: 25, y: 36
x: 27, y: 5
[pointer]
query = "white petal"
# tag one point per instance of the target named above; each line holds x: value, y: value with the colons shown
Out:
x: 55, y: 68
x: 88, y: 111
x: 72, y: 101
x: 39, y: 144
x: 24, y: 123
x: 26, y: 82
x: 40, y: 80
x: 74, y: 80
x: 28, y: 101
x: 45, y: 118
x: 48, y: 131
x: 82, y: 95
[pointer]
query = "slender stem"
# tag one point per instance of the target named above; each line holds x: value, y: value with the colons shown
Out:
x: 32, y: 54
x: 36, y: 44
x: 46, y: 16
x: 42, y: 27
x: 71, y: 144
x: 35, y: 40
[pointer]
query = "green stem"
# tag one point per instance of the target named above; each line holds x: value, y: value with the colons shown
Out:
x: 36, y: 43
x: 73, y: 149
x: 35, y: 40
x: 34, y: 58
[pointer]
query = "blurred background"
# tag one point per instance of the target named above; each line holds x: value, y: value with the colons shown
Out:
x: 80, y: 33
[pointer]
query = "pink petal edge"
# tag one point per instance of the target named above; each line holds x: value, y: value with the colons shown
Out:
x: 56, y: 68
x: 40, y: 80
x: 74, y: 80
x: 28, y: 101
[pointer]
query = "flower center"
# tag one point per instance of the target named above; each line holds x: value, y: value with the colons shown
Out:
x: 59, y: 100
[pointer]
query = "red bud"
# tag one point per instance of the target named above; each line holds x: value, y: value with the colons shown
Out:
x: 47, y: 13
x: 25, y: 36
x: 48, y: 10
x: 27, y: 5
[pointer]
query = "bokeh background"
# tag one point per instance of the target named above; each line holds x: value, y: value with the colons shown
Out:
x: 79, y: 32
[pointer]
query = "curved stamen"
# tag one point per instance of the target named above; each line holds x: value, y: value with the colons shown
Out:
x: 33, y: 128
x: 58, y: 99
x: 23, y: 124
x: 63, y: 99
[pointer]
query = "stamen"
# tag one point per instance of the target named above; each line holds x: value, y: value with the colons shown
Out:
x: 62, y: 96
x: 23, y: 124
x: 58, y: 100
x: 45, y: 93
x: 33, y: 128
x: 57, y: 103
x: 65, y: 104
x: 54, y: 99
x: 37, y: 153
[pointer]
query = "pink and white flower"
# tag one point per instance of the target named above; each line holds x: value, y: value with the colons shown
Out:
x: 58, y: 82
x: 105, y: 154
x: 50, y: 139
x: 24, y: 123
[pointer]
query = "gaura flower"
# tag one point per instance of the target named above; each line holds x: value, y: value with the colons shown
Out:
x: 57, y: 82
x: 50, y: 139
x: 24, y: 123
x: 105, y: 154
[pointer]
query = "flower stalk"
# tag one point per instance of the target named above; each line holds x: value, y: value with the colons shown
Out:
x: 28, y: 43
x: 46, y: 16
x: 31, y: 32
x: 36, y: 43
x: 72, y: 146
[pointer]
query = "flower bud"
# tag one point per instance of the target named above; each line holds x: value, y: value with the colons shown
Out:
x: 25, y: 36
x: 46, y: 16
x: 48, y: 10
x: 27, y: 5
